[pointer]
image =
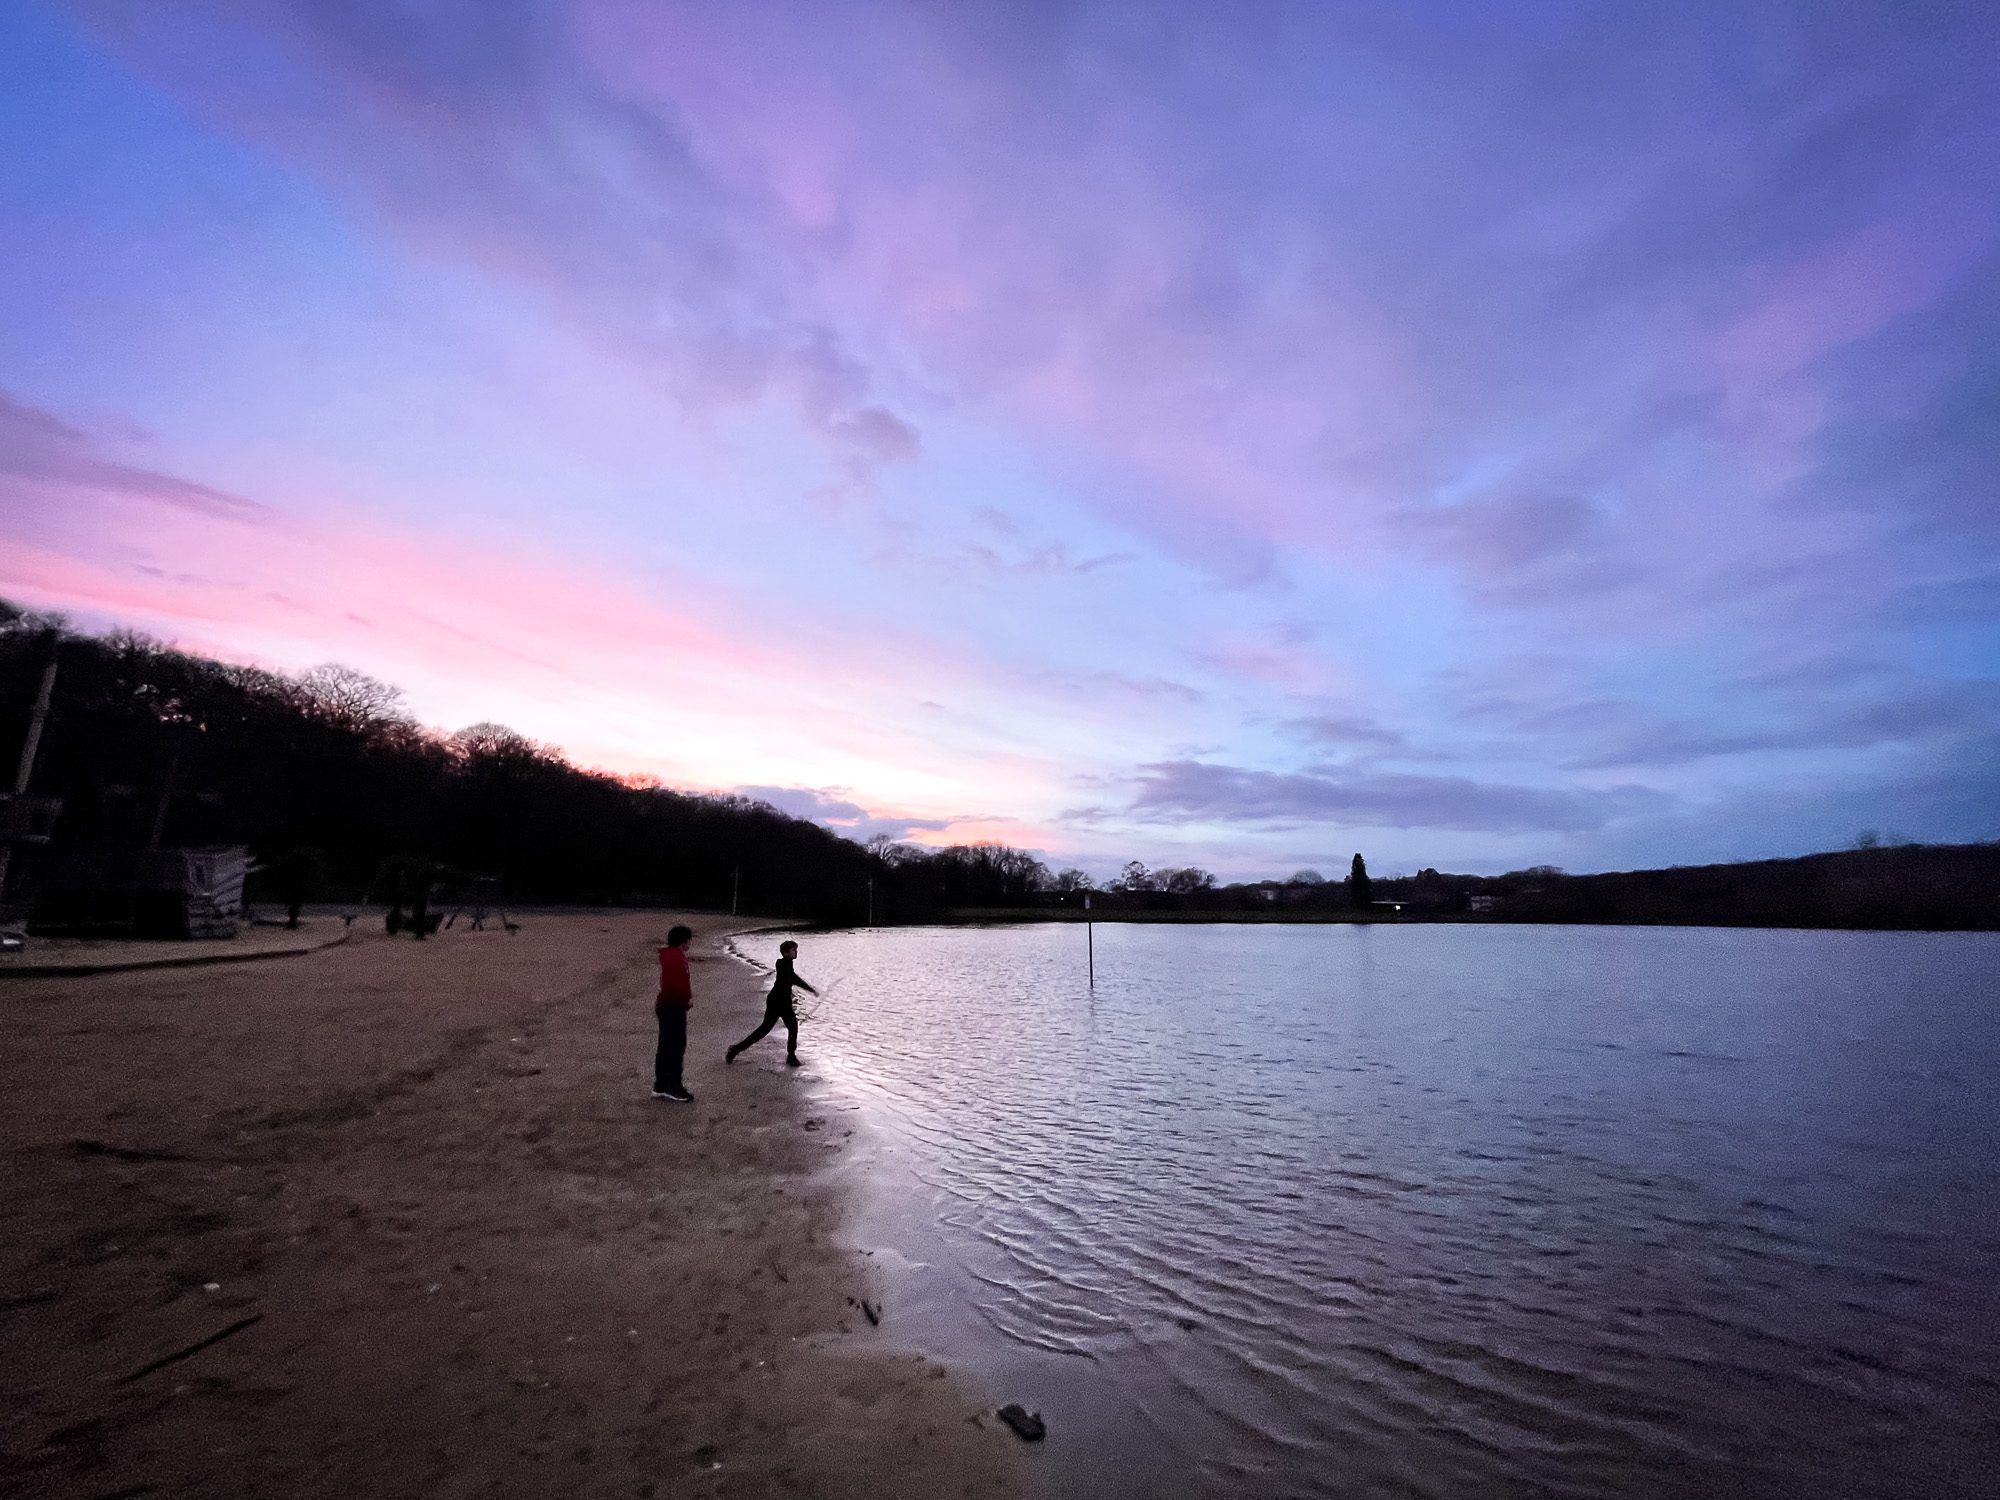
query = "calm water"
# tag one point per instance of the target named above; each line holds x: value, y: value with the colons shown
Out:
x: 1448, y: 1211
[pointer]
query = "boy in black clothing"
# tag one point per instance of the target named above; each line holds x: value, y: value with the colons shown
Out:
x: 778, y: 1007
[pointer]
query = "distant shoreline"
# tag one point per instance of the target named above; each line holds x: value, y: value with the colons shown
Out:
x: 1024, y: 916
x: 748, y: 924
x: 1894, y: 888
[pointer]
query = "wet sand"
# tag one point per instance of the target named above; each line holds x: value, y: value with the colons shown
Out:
x: 480, y: 1259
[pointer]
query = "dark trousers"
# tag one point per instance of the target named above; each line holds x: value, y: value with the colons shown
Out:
x: 774, y: 1012
x: 673, y: 1047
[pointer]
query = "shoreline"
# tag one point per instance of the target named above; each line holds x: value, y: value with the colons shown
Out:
x: 1001, y: 916
x: 1103, y: 1438
x: 70, y: 958
x: 452, y: 1245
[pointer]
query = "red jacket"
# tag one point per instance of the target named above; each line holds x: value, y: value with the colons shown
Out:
x: 676, y: 988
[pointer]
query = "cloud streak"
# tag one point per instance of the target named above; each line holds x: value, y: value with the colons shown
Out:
x: 40, y: 452
x: 1232, y: 794
x: 832, y: 808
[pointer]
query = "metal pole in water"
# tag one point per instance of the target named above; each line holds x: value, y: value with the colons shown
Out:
x: 1089, y: 940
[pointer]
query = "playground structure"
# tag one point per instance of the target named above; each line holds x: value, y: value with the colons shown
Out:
x: 418, y: 889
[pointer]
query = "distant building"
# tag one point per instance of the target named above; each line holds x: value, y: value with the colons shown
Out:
x: 1482, y: 903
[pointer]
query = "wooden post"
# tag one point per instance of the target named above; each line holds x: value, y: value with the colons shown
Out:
x: 871, y: 900
x: 1089, y: 941
x: 25, y: 769
x: 735, y: 887
x: 166, y: 800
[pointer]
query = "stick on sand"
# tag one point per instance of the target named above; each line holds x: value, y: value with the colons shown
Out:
x: 195, y: 1348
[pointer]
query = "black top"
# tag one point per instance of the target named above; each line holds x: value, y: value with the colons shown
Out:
x: 781, y: 987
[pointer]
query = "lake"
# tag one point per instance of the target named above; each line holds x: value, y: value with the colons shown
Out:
x: 1444, y: 1210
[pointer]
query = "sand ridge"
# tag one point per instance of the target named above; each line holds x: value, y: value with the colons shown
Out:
x: 463, y: 1251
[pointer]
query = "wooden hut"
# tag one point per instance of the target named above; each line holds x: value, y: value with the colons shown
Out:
x: 156, y: 893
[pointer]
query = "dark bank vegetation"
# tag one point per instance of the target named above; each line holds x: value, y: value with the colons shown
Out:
x: 1955, y: 886
x: 342, y: 796
x: 1916, y: 886
x: 340, y: 793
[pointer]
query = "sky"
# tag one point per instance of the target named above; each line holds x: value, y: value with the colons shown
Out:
x: 1472, y: 434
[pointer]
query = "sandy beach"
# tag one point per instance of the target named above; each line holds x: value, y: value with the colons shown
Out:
x: 452, y: 1246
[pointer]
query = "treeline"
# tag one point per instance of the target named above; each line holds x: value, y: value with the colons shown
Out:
x: 1940, y: 887
x: 341, y: 794
x: 1913, y: 886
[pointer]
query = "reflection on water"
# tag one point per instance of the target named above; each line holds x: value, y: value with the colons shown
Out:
x: 1461, y: 1211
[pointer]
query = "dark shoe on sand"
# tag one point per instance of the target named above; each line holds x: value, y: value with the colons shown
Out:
x: 730, y: 1055
x: 792, y: 1061
x: 681, y: 1096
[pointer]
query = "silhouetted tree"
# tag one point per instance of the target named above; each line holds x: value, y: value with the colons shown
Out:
x: 1360, y: 889
x: 493, y: 745
x: 1134, y: 877
x: 1185, y: 881
x: 886, y: 847
x: 972, y: 875
x: 346, y: 699
x: 1069, y: 881
x: 1307, y: 877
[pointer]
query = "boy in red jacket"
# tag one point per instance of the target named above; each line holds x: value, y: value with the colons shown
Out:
x: 671, y: 1008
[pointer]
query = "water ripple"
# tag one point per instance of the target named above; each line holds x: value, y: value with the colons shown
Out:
x: 1470, y: 1211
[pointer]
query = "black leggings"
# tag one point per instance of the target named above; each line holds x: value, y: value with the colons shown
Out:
x: 673, y: 1046
x: 774, y: 1012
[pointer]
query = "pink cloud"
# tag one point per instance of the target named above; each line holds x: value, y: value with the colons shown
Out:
x: 1840, y: 292
x: 516, y: 161
x: 640, y: 676
x: 964, y: 829
x: 1290, y: 660
x: 1837, y: 295
x: 474, y: 631
x: 1009, y: 253
x: 40, y: 450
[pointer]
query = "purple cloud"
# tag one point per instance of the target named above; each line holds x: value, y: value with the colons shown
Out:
x: 487, y: 137
x: 1522, y: 549
x: 1902, y: 717
x: 39, y: 449
x: 1230, y: 794
x: 1098, y: 683
x: 1348, y: 731
x: 831, y: 808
